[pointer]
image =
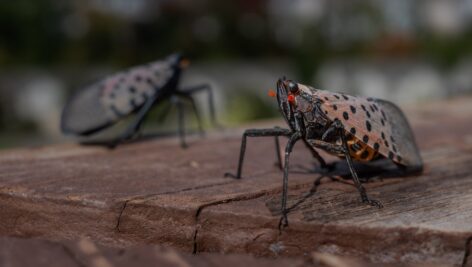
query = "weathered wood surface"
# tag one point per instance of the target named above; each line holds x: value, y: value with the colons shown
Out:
x: 153, y: 192
x: 84, y: 252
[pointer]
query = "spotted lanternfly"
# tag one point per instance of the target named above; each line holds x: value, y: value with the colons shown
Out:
x: 135, y: 90
x: 353, y: 128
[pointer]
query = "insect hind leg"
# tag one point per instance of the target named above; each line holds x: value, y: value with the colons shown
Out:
x: 134, y: 126
x: 288, y: 150
x: 350, y: 163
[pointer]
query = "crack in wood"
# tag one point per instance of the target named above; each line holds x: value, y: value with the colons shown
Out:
x: 125, y: 203
x: 117, y: 227
x: 219, y: 202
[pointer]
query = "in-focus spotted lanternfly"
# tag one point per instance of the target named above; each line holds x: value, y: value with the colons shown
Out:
x: 354, y: 128
x: 135, y: 90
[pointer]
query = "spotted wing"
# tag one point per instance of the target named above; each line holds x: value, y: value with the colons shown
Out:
x: 378, y: 123
x: 105, y: 102
x: 403, y: 135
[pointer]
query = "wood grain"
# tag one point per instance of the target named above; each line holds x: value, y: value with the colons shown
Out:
x: 154, y: 192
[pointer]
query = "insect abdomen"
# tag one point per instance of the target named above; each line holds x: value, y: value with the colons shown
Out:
x: 360, y: 151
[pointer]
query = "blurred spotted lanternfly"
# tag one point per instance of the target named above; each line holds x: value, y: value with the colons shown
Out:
x: 135, y: 90
x: 354, y: 128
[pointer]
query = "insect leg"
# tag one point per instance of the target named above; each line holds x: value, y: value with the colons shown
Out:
x: 288, y: 149
x: 181, y: 128
x: 313, y: 152
x: 165, y: 111
x: 358, y: 183
x: 316, y: 155
x: 211, y: 103
x: 277, y: 152
x: 195, y: 110
x: 134, y: 126
x: 255, y: 133
x: 336, y: 149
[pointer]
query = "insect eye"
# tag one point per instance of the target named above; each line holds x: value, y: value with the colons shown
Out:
x: 293, y: 87
x: 291, y: 99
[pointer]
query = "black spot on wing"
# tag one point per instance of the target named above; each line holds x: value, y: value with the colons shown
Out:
x: 337, y: 97
x: 365, y: 154
x: 353, y: 131
x: 368, y: 126
x: 150, y: 82
x: 345, y: 115
x: 365, y: 139
x: 383, y: 115
x: 376, y: 146
x: 335, y: 107
x: 345, y: 97
x: 353, y: 109
x: 390, y: 155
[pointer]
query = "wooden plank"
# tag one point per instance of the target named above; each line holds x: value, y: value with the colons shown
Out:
x: 87, y: 253
x: 155, y: 192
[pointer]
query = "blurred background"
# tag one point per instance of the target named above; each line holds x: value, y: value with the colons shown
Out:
x: 405, y: 51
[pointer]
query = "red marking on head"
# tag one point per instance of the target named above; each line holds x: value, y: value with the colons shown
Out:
x: 271, y: 93
x: 291, y: 99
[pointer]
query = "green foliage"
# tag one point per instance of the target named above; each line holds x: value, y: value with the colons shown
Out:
x: 246, y: 105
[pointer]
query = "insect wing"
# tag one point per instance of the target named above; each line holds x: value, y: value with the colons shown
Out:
x: 84, y: 113
x: 378, y: 123
x: 402, y: 133
x: 105, y: 102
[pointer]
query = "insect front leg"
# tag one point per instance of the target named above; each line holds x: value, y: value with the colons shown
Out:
x: 358, y: 183
x: 204, y: 87
x: 314, y: 153
x: 256, y: 133
x: 288, y: 149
